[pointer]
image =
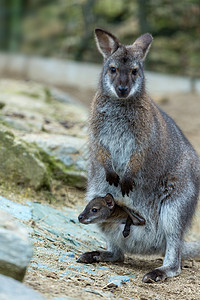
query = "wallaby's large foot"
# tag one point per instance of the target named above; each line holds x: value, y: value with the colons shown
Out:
x: 160, y: 274
x: 97, y: 256
x: 88, y: 257
x: 154, y: 276
x: 112, y: 178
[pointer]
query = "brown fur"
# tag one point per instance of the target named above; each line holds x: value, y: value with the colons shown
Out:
x: 107, y: 211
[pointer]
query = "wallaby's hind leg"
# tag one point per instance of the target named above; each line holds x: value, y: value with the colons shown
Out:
x: 172, y: 262
x: 97, y: 256
x: 174, y: 220
x: 88, y: 257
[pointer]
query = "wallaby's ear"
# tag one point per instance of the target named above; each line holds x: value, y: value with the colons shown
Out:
x: 109, y: 201
x: 106, y: 42
x: 143, y: 44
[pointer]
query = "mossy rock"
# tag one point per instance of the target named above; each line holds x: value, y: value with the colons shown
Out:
x: 59, y: 171
x: 19, y: 163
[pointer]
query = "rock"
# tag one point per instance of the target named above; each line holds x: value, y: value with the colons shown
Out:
x: 17, y: 210
x: 59, y: 239
x: 63, y: 97
x: 19, y: 163
x: 68, y: 149
x: 65, y: 156
x: 10, y: 289
x: 17, y: 124
x: 38, y: 104
x: 49, y: 138
x: 67, y: 226
x: 15, y: 248
x: 118, y: 280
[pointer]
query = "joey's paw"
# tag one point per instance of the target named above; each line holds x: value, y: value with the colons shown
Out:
x: 154, y: 276
x: 112, y: 178
x: 126, y: 186
x: 88, y: 257
x: 126, y: 233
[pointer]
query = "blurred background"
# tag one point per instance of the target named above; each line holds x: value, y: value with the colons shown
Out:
x: 64, y: 29
x: 52, y: 42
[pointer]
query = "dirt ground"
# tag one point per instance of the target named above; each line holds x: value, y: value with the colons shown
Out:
x: 186, y: 286
x: 185, y: 109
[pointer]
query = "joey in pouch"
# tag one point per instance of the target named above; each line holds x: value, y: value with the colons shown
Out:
x: 105, y: 210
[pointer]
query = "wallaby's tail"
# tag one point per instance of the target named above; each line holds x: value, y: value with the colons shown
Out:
x: 191, y: 250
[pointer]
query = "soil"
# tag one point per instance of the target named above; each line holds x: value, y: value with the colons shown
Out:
x: 186, y: 286
x: 185, y: 109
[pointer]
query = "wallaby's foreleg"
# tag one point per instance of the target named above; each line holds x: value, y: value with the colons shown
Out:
x: 134, y: 165
x: 104, y: 157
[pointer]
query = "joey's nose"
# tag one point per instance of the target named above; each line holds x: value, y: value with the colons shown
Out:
x: 80, y: 218
x: 122, y: 90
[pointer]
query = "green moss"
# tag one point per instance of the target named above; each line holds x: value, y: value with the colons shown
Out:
x: 11, y: 270
x: 48, y: 96
x: 4, y: 123
x: 57, y: 170
x: 2, y: 104
x: 20, y: 163
x: 30, y: 94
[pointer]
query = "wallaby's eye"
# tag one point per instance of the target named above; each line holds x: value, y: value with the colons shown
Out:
x: 134, y: 71
x: 113, y: 70
x: 94, y: 210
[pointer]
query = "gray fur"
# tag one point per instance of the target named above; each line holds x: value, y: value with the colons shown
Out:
x: 165, y: 189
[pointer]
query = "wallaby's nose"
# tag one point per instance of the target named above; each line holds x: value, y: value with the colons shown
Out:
x: 123, y: 90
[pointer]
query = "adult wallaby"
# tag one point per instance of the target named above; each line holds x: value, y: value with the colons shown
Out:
x: 140, y: 156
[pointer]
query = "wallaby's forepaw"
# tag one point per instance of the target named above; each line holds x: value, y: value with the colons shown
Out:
x: 88, y: 257
x: 112, y: 178
x: 154, y: 276
x: 126, y: 186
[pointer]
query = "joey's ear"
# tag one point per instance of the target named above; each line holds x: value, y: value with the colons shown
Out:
x: 143, y: 44
x: 106, y: 42
x: 109, y: 201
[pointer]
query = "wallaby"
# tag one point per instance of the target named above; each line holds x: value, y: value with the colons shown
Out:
x: 140, y: 156
x: 105, y: 210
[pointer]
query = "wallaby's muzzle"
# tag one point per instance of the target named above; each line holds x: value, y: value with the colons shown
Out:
x: 122, y: 91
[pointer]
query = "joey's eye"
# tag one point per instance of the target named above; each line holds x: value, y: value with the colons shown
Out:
x: 113, y: 70
x: 94, y: 210
x: 134, y: 71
